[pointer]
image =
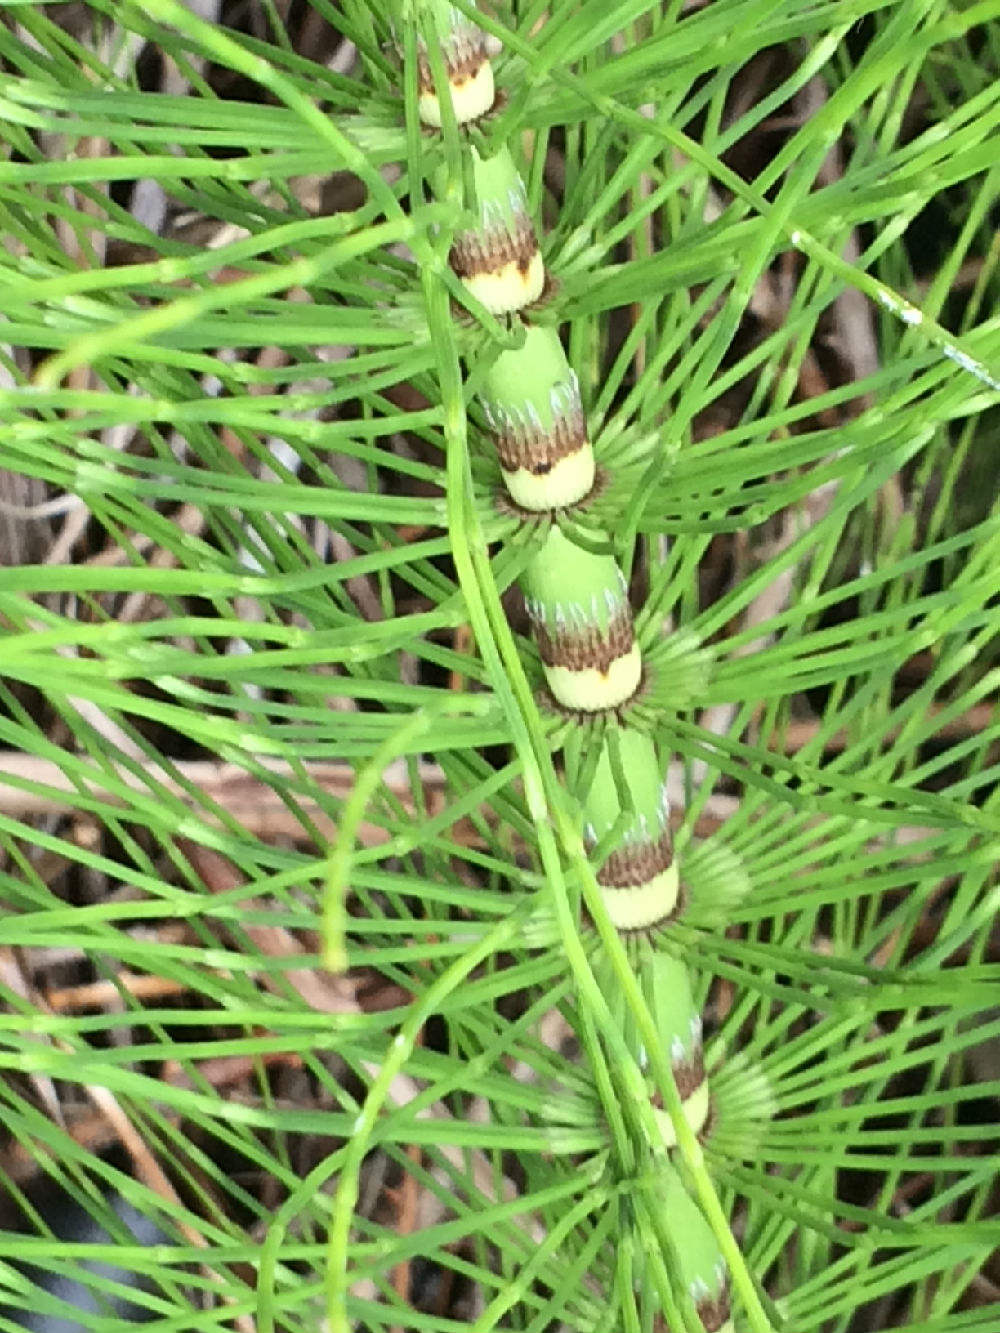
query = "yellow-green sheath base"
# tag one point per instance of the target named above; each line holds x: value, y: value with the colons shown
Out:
x: 510, y: 288
x: 567, y: 482
x: 642, y: 906
x: 471, y: 98
x: 593, y: 691
x: 696, y: 1108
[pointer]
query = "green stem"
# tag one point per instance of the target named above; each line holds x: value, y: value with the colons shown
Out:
x: 577, y: 600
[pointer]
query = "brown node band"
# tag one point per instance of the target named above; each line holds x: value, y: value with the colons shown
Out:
x: 473, y: 254
x: 715, y: 1311
x: 538, y: 451
x: 635, y: 864
x: 713, y: 1314
x: 689, y: 1075
x: 589, y: 647
x: 463, y: 58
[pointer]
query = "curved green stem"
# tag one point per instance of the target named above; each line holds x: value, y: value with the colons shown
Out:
x: 577, y: 600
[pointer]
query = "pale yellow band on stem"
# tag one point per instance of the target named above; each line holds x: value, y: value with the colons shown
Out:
x: 508, y: 288
x: 590, y: 690
x: 471, y: 98
x: 695, y: 1108
x: 643, y: 905
x: 567, y: 481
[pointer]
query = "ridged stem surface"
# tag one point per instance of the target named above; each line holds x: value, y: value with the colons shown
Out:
x: 577, y: 600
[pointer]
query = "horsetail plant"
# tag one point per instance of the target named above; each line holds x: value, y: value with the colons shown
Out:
x: 230, y: 693
x: 577, y: 599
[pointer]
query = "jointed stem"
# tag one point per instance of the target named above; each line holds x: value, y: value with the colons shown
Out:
x: 640, y: 1028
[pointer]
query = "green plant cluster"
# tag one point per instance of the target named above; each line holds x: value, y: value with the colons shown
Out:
x: 238, y: 694
x: 577, y: 600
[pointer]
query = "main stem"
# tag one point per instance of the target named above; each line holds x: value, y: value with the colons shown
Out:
x: 578, y: 604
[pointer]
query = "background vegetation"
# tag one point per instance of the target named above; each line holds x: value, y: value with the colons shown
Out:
x: 252, y: 610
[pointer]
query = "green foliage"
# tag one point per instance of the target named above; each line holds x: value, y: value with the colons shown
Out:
x: 290, y: 548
